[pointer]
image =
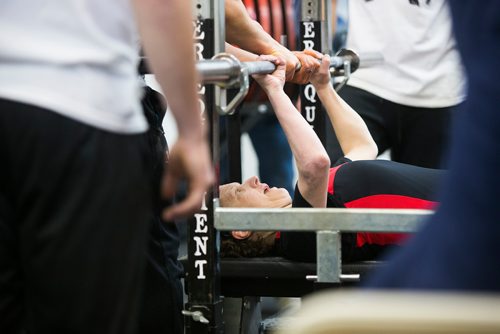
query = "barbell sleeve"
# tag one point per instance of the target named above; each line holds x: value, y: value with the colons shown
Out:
x: 219, y: 70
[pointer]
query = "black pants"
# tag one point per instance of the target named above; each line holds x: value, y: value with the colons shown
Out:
x: 416, y: 136
x: 74, y: 206
x: 162, y: 299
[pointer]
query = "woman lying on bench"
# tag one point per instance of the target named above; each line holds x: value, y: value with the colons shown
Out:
x: 354, y: 181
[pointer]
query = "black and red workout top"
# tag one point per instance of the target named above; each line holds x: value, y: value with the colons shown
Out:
x: 379, y: 184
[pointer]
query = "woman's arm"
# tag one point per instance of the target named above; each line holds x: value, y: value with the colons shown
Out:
x: 352, y: 133
x: 310, y: 156
x: 241, y: 54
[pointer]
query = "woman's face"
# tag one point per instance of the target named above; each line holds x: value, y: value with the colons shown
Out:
x: 253, y: 194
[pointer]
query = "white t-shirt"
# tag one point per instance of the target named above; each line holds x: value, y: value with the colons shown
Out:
x: 75, y: 57
x: 421, y: 66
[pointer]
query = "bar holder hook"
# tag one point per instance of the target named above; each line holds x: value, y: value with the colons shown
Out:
x: 242, y: 80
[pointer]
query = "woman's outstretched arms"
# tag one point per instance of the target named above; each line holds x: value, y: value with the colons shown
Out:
x: 310, y: 155
x: 352, y: 133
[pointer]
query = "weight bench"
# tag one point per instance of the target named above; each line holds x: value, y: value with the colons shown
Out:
x: 242, y: 281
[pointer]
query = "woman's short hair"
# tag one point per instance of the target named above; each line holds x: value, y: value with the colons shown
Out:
x: 259, y: 244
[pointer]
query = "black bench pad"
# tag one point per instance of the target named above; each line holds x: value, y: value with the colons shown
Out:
x: 275, y: 276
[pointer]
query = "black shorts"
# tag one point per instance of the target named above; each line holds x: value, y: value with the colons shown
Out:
x: 416, y: 136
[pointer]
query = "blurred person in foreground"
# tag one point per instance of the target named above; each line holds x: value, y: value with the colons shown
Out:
x: 76, y: 191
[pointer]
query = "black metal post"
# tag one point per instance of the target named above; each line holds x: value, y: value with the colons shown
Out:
x: 315, y: 33
x: 204, y: 307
